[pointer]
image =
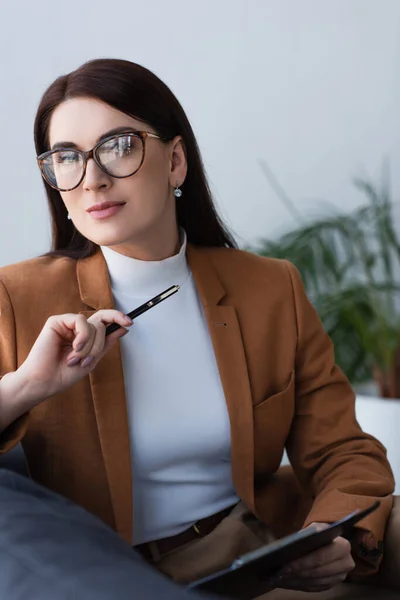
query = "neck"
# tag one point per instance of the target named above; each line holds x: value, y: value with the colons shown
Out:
x: 154, y: 247
x: 146, y: 277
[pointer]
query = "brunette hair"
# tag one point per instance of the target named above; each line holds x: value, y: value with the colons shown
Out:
x: 135, y: 91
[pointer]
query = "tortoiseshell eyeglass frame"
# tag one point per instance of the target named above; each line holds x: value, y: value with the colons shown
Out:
x: 142, y: 135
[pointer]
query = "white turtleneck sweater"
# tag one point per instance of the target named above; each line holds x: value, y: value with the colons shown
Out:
x: 178, y: 420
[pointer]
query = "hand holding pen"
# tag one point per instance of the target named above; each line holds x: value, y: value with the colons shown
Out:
x: 67, y: 349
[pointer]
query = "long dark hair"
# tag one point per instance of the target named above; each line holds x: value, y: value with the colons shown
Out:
x: 135, y: 91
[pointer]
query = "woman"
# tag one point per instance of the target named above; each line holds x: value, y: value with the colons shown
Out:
x: 186, y: 418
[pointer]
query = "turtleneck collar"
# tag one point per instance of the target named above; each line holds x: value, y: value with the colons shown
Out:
x: 146, y: 278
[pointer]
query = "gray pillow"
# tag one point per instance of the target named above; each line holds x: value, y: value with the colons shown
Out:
x: 51, y: 548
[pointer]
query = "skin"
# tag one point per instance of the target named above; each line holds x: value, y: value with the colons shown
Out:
x: 70, y: 346
x: 319, y: 570
x: 146, y: 227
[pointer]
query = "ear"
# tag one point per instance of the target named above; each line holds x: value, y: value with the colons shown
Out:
x: 178, y: 162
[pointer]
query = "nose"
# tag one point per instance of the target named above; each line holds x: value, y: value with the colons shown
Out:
x: 95, y: 178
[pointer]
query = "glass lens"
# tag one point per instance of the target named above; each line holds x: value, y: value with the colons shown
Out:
x: 63, y: 169
x: 121, y: 156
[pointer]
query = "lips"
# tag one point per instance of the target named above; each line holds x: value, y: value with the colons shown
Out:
x: 105, y: 210
x: 104, y: 206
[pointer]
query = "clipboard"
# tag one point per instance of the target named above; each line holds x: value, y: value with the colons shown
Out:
x: 247, y: 576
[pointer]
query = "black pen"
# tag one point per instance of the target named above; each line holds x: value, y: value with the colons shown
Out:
x: 145, y: 307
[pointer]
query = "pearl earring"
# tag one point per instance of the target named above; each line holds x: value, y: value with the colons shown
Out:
x: 68, y: 217
x: 177, y: 191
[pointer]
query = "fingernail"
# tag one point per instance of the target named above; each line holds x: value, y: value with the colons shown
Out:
x: 86, y: 362
x: 79, y: 348
x: 129, y: 320
x: 73, y: 361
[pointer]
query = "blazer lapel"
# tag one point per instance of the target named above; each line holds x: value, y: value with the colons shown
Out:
x: 108, y: 391
x: 227, y: 341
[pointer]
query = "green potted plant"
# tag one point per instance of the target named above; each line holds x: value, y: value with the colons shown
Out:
x: 350, y: 265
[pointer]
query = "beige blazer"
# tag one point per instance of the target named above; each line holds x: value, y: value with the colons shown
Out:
x: 276, y: 363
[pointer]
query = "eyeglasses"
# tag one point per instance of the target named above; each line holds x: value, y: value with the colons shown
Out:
x: 119, y: 156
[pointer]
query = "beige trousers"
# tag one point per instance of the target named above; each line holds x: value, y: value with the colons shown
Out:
x: 241, y: 532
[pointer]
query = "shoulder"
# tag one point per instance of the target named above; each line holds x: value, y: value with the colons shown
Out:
x: 35, y: 289
x: 245, y: 267
x: 38, y: 275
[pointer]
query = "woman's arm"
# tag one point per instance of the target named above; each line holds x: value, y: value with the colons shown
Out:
x: 343, y: 467
x: 68, y: 347
x: 9, y: 411
x: 15, y: 399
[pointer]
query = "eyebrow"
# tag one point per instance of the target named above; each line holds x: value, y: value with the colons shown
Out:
x: 109, y: 133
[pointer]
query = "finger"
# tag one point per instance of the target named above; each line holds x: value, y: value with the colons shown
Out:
x: 344, y: 565
x: 108, y: 316
x: 100, y: 320
x: 318, y: 526
x: 82, y: 345
x: 82, y: 330
x: 312, y: 585
x: 98, y: 343
x: 113, y: 337
x: 87, y: 349
x: 336, y: 550
x: 91, y: 361
x: 68, y: 325
x: 73, y: 329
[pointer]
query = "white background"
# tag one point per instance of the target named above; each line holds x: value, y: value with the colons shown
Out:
x: 311, y: 86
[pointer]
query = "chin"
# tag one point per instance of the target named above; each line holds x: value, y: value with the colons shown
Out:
x: 108, y: 240
x: 113, y: 238
x: 118, y: 232
x: 104, y: 238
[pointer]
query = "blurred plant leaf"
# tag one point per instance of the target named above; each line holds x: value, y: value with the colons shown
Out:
x: 350, y: 265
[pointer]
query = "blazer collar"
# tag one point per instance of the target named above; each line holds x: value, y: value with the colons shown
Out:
x: 95, y: 288
x: 94, y: 282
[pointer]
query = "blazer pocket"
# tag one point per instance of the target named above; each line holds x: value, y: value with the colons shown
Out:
x: 282, y: 394
x: 272, y: 421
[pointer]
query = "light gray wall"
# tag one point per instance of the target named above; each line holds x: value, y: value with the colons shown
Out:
x: 312, y: 86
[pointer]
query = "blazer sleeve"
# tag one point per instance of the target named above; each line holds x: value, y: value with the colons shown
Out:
x: 344, y: 468
x: 8, y: 363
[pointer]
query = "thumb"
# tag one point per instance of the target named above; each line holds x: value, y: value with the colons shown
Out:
x: 113, y: 337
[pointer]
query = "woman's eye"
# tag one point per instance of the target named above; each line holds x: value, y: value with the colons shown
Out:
x: 63, y: 158
x: 125, y: 146
x: 122, y: 147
